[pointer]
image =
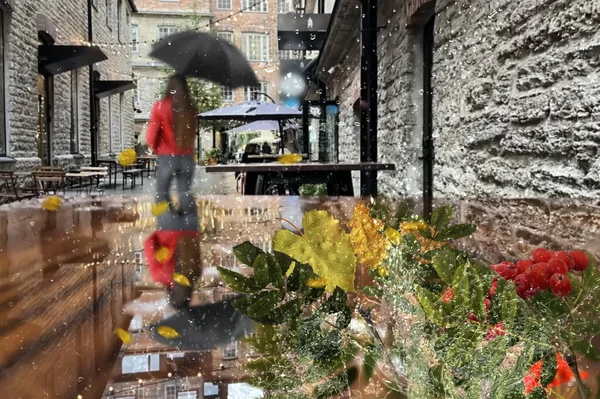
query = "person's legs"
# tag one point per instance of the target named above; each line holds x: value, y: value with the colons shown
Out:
x: 184, y: 178
x: 164, y: 175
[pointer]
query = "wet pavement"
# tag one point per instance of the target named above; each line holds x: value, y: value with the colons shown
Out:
x: 69, y: 278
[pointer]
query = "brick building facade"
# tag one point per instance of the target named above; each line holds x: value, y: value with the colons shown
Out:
x: 515, y: 95
x: 45, y: 115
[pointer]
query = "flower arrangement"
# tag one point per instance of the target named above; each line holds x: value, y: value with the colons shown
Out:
x: 460, y: 328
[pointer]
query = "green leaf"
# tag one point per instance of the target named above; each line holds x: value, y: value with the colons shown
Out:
x: 537, y: 393
x: 549, y: 367
x: 238, y: 282
x: 372, y: 291
x: 337, y: 384
x: 478, y: 294
x: 440, y: 217
x: 344, y: 318
x: 275, y: 272
x: 462, y: 291
x: 372, y: 355
x: 444, y: 264
x: 435, y: 309
x: 490, y: 356
x: 590, y: 276
x: 510, y: 305
x: 550, y: 306
x: 261, y: 271
x: 455, y: 232
x: 585, y: 348
x: 411, y: 244
x: 462, y: 351
x: 263, y: 303
x: 247, y: 253
x: 337, y: 300
x: 284, y: 313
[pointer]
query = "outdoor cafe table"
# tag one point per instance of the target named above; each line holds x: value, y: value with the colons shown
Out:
x: 148, y: 161
x: 270, y: 157
x: 113, y: 165
x: 337, y: 176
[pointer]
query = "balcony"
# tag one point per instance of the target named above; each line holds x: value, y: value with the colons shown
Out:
x: 302, y: 31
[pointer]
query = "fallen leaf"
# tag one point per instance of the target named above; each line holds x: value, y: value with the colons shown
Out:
x: 289, y: 159
x: 393, y: 235
x: 318, y: 282
x: 370, y: 246
x: 167, y: 332
x: 324, y: 246
x: 123, y: 336
x: 162, y: 254
x: 159, y: 208
x: 181, y: 280
x: 127, y: 157
x: 52, y: 203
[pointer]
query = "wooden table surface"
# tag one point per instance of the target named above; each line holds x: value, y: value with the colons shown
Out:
x: 299, y: 167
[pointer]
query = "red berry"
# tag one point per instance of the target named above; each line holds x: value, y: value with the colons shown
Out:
x: 447, y: 295
x: 522, y: 284
x: 497, y: 331
x: 493, y: 288
x: 556, y: 265
x: 530, y: 293
x: 523, y: 264
x: 562, y: 255
x: 541, y: 255
x: 581, y: 260
x: 560, y: 285
x: 537, y: 277
x: 507, y: 270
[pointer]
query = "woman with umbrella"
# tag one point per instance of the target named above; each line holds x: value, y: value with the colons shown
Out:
x: 172, y: 134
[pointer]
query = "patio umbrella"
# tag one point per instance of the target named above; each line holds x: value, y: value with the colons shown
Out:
x: 255, y: 127
x: 204, y: 327
x: 253, y: 111
x: 205, y: 56
x: 230, y: 112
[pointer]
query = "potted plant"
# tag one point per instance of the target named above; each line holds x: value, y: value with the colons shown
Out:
x: 212, y: 156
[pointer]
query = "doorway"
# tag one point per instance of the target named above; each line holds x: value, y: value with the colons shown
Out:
x: 45, y: 92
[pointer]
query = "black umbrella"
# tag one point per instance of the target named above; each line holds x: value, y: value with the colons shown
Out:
x: 205, y: 56
x: 204, y: 327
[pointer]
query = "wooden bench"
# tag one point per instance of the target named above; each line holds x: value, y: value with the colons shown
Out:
x: 9, y: 191
x: 100, y: 173
x: 132, y: 172
x: 49, y: 182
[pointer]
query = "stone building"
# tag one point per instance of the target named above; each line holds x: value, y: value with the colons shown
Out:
x: 254, y: 31
x: 515, y: 95
x: 45, y: 80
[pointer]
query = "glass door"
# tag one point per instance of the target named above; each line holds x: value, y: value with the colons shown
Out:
x: 43, y: 130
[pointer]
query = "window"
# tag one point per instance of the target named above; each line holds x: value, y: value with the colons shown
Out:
x: 288, y: 55
x: 230, y: 351
x: 3, y: 150
x: 121, y: 126
x: 161, y: 88
x: 210, y: 389
x: 132, y: 364
x: 224, y: 4
x: 249, y: 348
x: 175, y: 355
x: 284, y: 6
x: 226, y: 94
x: 255, y: 46
x: 170, y: 392
x: 110, y: 120
x: 187, y: 395
x: 251, y: 92
x: 254, y: 5
x: 164, y: 31
x: 119, y: 9
x: 108, y: 12
x: 137, y: 322
x: 227, y: 36
x: 135, y: 32
x: 74, y: 137
x: 136, y: 93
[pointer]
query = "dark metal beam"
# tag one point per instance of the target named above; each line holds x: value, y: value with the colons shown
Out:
x: 93, y: 116
x: 368, y: 92
x: 428, y: 148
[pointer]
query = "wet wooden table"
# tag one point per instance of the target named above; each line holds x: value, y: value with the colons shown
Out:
x: 66, y: 276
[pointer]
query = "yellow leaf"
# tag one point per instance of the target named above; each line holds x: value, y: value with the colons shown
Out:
x: 393, y: 235
x: 181, y: 280
x: 416, y: 228
x: 290, y: 269
x: 159, y: 208
x: 123, y: 336
x: 318, y: 282
x: 383, y: 271
x: 324, y: 246
x: 370, y: 246
x: 162, y: 254
x: 411, y: 227
x: 167, y: 332
x: 289, y: 159
x: 127, y: 157
x: 52, y: 203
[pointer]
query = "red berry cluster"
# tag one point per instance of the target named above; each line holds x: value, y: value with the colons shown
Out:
x: 545, y: 270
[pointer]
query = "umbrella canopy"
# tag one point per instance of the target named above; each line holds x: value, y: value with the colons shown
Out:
x: 204, y: 327
x: 255, y: 127
x: 205, y: 56
x: 253, y: 111
x: 260, y: 140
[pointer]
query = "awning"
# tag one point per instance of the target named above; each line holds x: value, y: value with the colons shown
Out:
x: 106, y: 88
x: 54, y: 60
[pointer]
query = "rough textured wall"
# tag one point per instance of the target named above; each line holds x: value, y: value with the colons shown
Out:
x: 517, y: 98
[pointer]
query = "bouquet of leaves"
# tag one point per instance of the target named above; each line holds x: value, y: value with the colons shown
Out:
x: 460, y: 328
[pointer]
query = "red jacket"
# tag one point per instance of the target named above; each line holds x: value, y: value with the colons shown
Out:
x: 162, y: 273
x: 160, y: 134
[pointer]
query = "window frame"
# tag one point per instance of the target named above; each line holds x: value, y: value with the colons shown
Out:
x: 224, y: 355
x: 224, y: 8
x: 187, y: 395
x: 3, y: 90
x: 265, y: 44
x: 148, y: 363
x: 119, y: 27
x: 173, y: 29
x: 160, y: 89
x: 220, y: 35
x: 110, y: 120
x: 248, y: 92
x: 174, y: 393
x: 247, y: 6
x: 135, y: 44
x: 230, y: 97
x: 108, y: 4
x: 289, y: 7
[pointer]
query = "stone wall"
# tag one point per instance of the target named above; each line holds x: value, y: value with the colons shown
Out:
x: 516, y: 99
x: 68, y: 23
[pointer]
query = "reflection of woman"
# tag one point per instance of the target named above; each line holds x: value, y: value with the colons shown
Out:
x: 171, y: 135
